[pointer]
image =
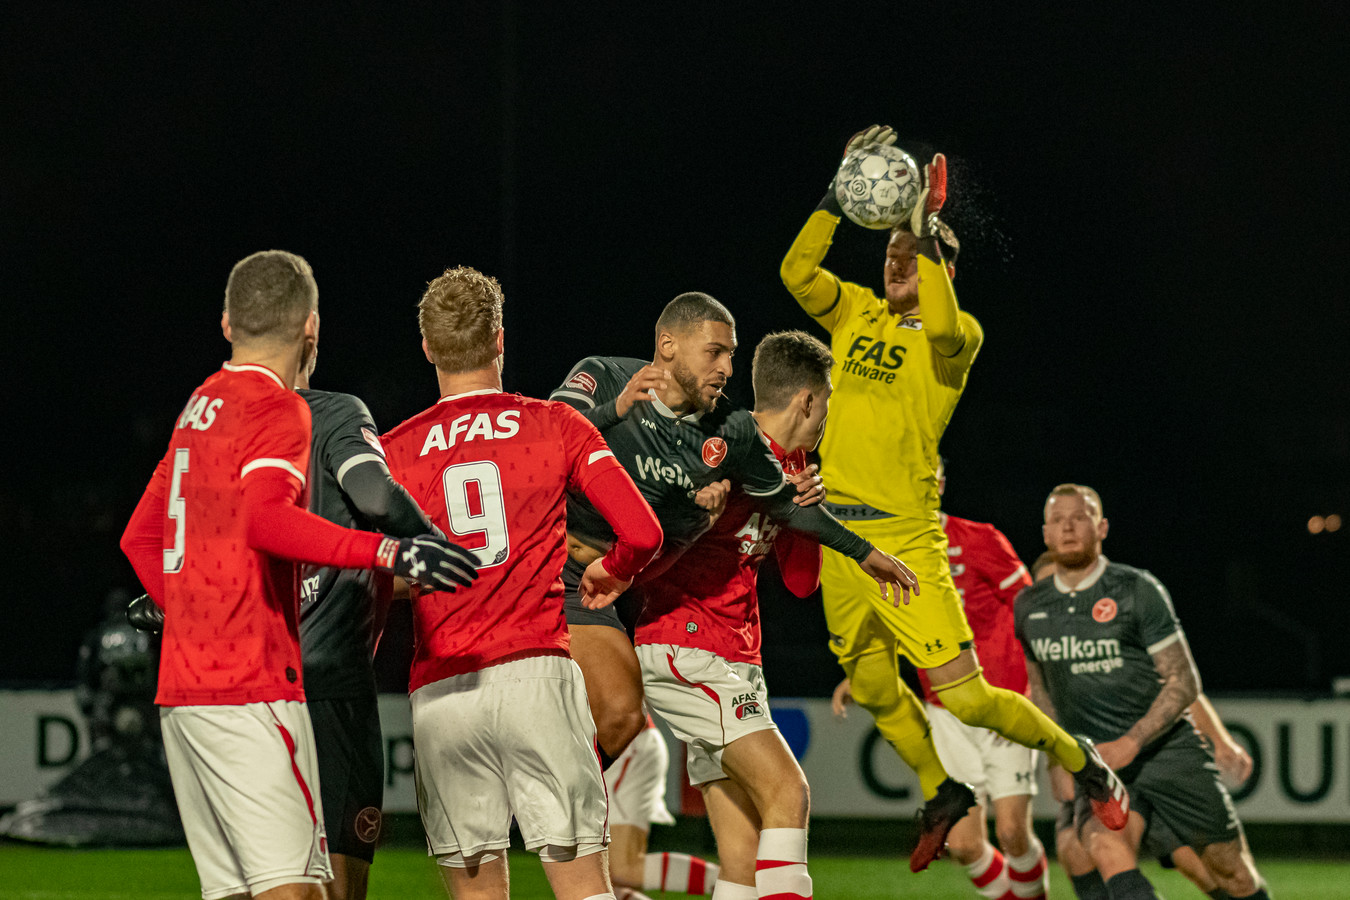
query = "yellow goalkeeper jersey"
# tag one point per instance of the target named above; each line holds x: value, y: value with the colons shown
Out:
x: 894, y: 392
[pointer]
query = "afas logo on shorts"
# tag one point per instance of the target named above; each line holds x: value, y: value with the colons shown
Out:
x: 714, y: 451
x: 1104, y: 610
x: 747, y: 706
x: 582, y: 381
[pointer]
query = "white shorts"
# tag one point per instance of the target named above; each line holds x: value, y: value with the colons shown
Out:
x: 706, y: 701
x: 637, y: 783
x: 515, y: 739
x: 247, y: 784
x: 991, y: 764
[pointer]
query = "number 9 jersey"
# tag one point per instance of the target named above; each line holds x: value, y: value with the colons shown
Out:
x: 492, y: 470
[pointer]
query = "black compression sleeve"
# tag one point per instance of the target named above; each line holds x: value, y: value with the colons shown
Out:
x: 818, y: 523
x: 602, y: 415
x: 383, y: 502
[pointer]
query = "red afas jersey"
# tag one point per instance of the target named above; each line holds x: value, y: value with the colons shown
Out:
x: 230, y: 612
x: 492, y: 470
x: 708, y: 599
x: 988, y: 577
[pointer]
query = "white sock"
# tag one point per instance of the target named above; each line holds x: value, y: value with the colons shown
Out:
x: 1030, y: 872
x: 730, y: 890
x: 678, y: 872
x: 780, y: 865
x: 600, y: 897
x: 989, y: 874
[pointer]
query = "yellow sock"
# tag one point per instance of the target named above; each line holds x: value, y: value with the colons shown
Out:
x: 972, y: 700
x: 877, y: 688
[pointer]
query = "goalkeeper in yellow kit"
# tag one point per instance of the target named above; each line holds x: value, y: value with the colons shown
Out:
x: 900, y: 366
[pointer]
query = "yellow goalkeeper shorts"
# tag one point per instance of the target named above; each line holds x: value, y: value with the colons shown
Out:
x: 930, y: 631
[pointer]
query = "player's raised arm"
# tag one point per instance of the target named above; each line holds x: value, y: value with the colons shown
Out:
x: 947, y: 329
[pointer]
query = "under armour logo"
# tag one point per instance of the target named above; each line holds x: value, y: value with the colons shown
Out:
x: 936, y: 645
x: 415, y: 566
x: 1024, y: 776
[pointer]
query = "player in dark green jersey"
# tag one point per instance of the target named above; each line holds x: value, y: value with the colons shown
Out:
x: 1107, y: 656
x: 665, y: 426
x: 342, y: 613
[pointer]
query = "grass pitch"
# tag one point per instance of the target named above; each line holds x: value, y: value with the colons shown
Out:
x: 29, y: 873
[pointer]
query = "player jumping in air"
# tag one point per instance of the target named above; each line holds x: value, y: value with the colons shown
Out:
x: 668, y: 430
x: 901, y: 365
x: 988, y: 575
x: 698, y: 641
x: 500, y: 718
x: 212, y: 540
x: 1107, y: 656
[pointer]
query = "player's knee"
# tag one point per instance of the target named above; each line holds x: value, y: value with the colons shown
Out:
x: 617, y: 727
x: 1014, y: 839
x: 974, y: 702
x: 875, y: 687
x: 966, y: 846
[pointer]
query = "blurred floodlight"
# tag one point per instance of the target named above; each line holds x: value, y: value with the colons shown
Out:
x: 1316, y: 524
x: 1333, y: 522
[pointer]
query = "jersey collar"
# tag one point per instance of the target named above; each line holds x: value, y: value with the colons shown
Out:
x: 249, y: 367
x: 478, y: 393
x: 671, y: 414
x: 1087, y: 582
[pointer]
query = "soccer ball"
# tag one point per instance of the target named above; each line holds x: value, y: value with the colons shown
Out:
x: 877, y: 186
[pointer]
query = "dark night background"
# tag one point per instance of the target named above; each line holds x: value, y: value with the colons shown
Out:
x: 1152, y: 207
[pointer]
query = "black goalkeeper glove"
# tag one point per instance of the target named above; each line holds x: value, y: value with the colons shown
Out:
x: 430, y: 561
x: 144, y: 614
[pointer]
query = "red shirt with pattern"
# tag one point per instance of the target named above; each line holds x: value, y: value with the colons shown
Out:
x: 492, y: 471
x: 708, y: 599
x: 988, y: 577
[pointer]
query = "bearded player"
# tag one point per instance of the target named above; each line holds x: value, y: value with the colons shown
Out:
x: 214, y: 540
x: 500, y: 717
x: 668, y: 430
x: 901, y: 365
x: 1107, y: 655
x: 698, y: 641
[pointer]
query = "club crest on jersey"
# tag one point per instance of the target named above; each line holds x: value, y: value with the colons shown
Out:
x: 582, y: 381
x: 372, y: 440
x: 747, y: 706
x: 367, y: 825
x: 1104, y: 610
x: 714, y: 451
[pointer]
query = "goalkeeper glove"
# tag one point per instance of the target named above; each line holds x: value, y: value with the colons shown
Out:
x: 432, y: 562
x: 924, y: 221
x: 880, y: 135
x: 144, y: 614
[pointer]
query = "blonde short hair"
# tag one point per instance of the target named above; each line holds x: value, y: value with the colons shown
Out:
x: 269, y: 295
x: 459, y: 316
x: 1082, y: 490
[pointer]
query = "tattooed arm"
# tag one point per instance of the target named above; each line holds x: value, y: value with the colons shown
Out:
x: 1180, y: 687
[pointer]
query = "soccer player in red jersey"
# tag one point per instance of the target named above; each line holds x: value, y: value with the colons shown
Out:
x: 227, y: 500
x: 698, y: 641
x: 500, y: 716
x: 637, y: 798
